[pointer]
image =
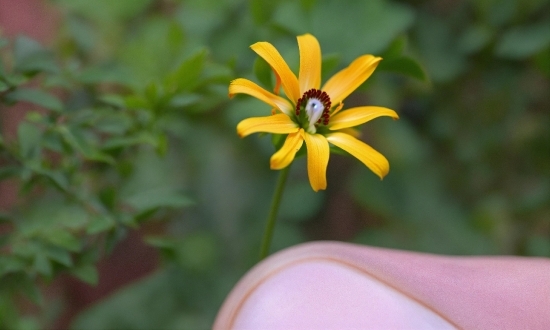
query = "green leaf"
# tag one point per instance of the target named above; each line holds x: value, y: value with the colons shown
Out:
x: 100, y: 223
x: 28, y: 323
x: 82, y: 32
x: 11, y: 264
x: 87, y: 273
x: 59, y: 255
x: 308, y: 4
x: 152, y: 94
x: 364, y: 26
x: 34, y: 117
x: 42, y: 264
x: 153, y: 51
x: 114, y: 236
x: 474, y: 39
x: 58, y: 178
x: 113, y: 100
x: 37, y: 62
x: 104, y: 11
x: 217, y: 73
x: 162, y: 242
x: 116, y: 123
x: 25, y: 47
x: 81, y: 144
x: 127, y: 141
x: 21, y: 282
x: 64, y: 239
x: 146, y: 200
x: 185, y: 100
x: 108, y: 197
x: 136, y: 102
x: 396, y: 48
x: 542, y: 61
x: 26, y: 249
x: 262, y: 10
x: 3, y: 86
x: 31, y: 57
x: 525, y: 41
x: 97, y: 75
x: 8, y: 172
x: 186, y: 76
x: 404, y: 65
x: 436, y: 44
x: 30, y: 138
x: 30, y: 289
x: 128, y: 220
x: 37, y: 97
x: 162, y: 144
x: 15, y: 79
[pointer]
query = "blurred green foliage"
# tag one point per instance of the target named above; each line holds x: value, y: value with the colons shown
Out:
x: 132, y: 124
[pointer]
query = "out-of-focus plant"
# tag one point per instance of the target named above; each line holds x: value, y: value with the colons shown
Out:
x: 73, y: 160
x: 470, y: 163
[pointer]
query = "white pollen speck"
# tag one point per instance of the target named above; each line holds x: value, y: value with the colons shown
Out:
x: 314, y: 110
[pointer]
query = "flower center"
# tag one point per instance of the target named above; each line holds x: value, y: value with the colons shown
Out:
x: 313, y: 109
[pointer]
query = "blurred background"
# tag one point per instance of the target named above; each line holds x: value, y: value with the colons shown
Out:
x: 127, y: 200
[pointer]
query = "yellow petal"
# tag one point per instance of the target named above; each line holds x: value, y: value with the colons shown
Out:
x: 337, y: 109
x: 245, y: 86
x: 317, y: 160
x: 357, y: 116
x: 285, y: 155
x: 310, y: 63
x: 365, y: 153
x: 278, y: 64
x: 347, y: 80
x: 277, y: 124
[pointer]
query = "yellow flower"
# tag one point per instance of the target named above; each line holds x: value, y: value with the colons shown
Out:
x: 313, y: 114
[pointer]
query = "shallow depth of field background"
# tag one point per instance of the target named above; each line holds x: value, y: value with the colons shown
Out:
x: 185, y: 199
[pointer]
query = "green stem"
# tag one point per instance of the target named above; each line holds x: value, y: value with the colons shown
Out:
x: 272, y: 218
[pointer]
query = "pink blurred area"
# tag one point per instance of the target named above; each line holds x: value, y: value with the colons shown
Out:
x: 333, y: 285
x: 33, y: 18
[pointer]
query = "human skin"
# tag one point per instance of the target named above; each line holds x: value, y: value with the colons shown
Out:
x: 333, y: 285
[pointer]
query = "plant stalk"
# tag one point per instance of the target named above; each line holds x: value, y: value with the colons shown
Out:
x: 272, y: 217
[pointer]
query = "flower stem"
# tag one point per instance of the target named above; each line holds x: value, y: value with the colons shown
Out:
x: 272, y: 217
